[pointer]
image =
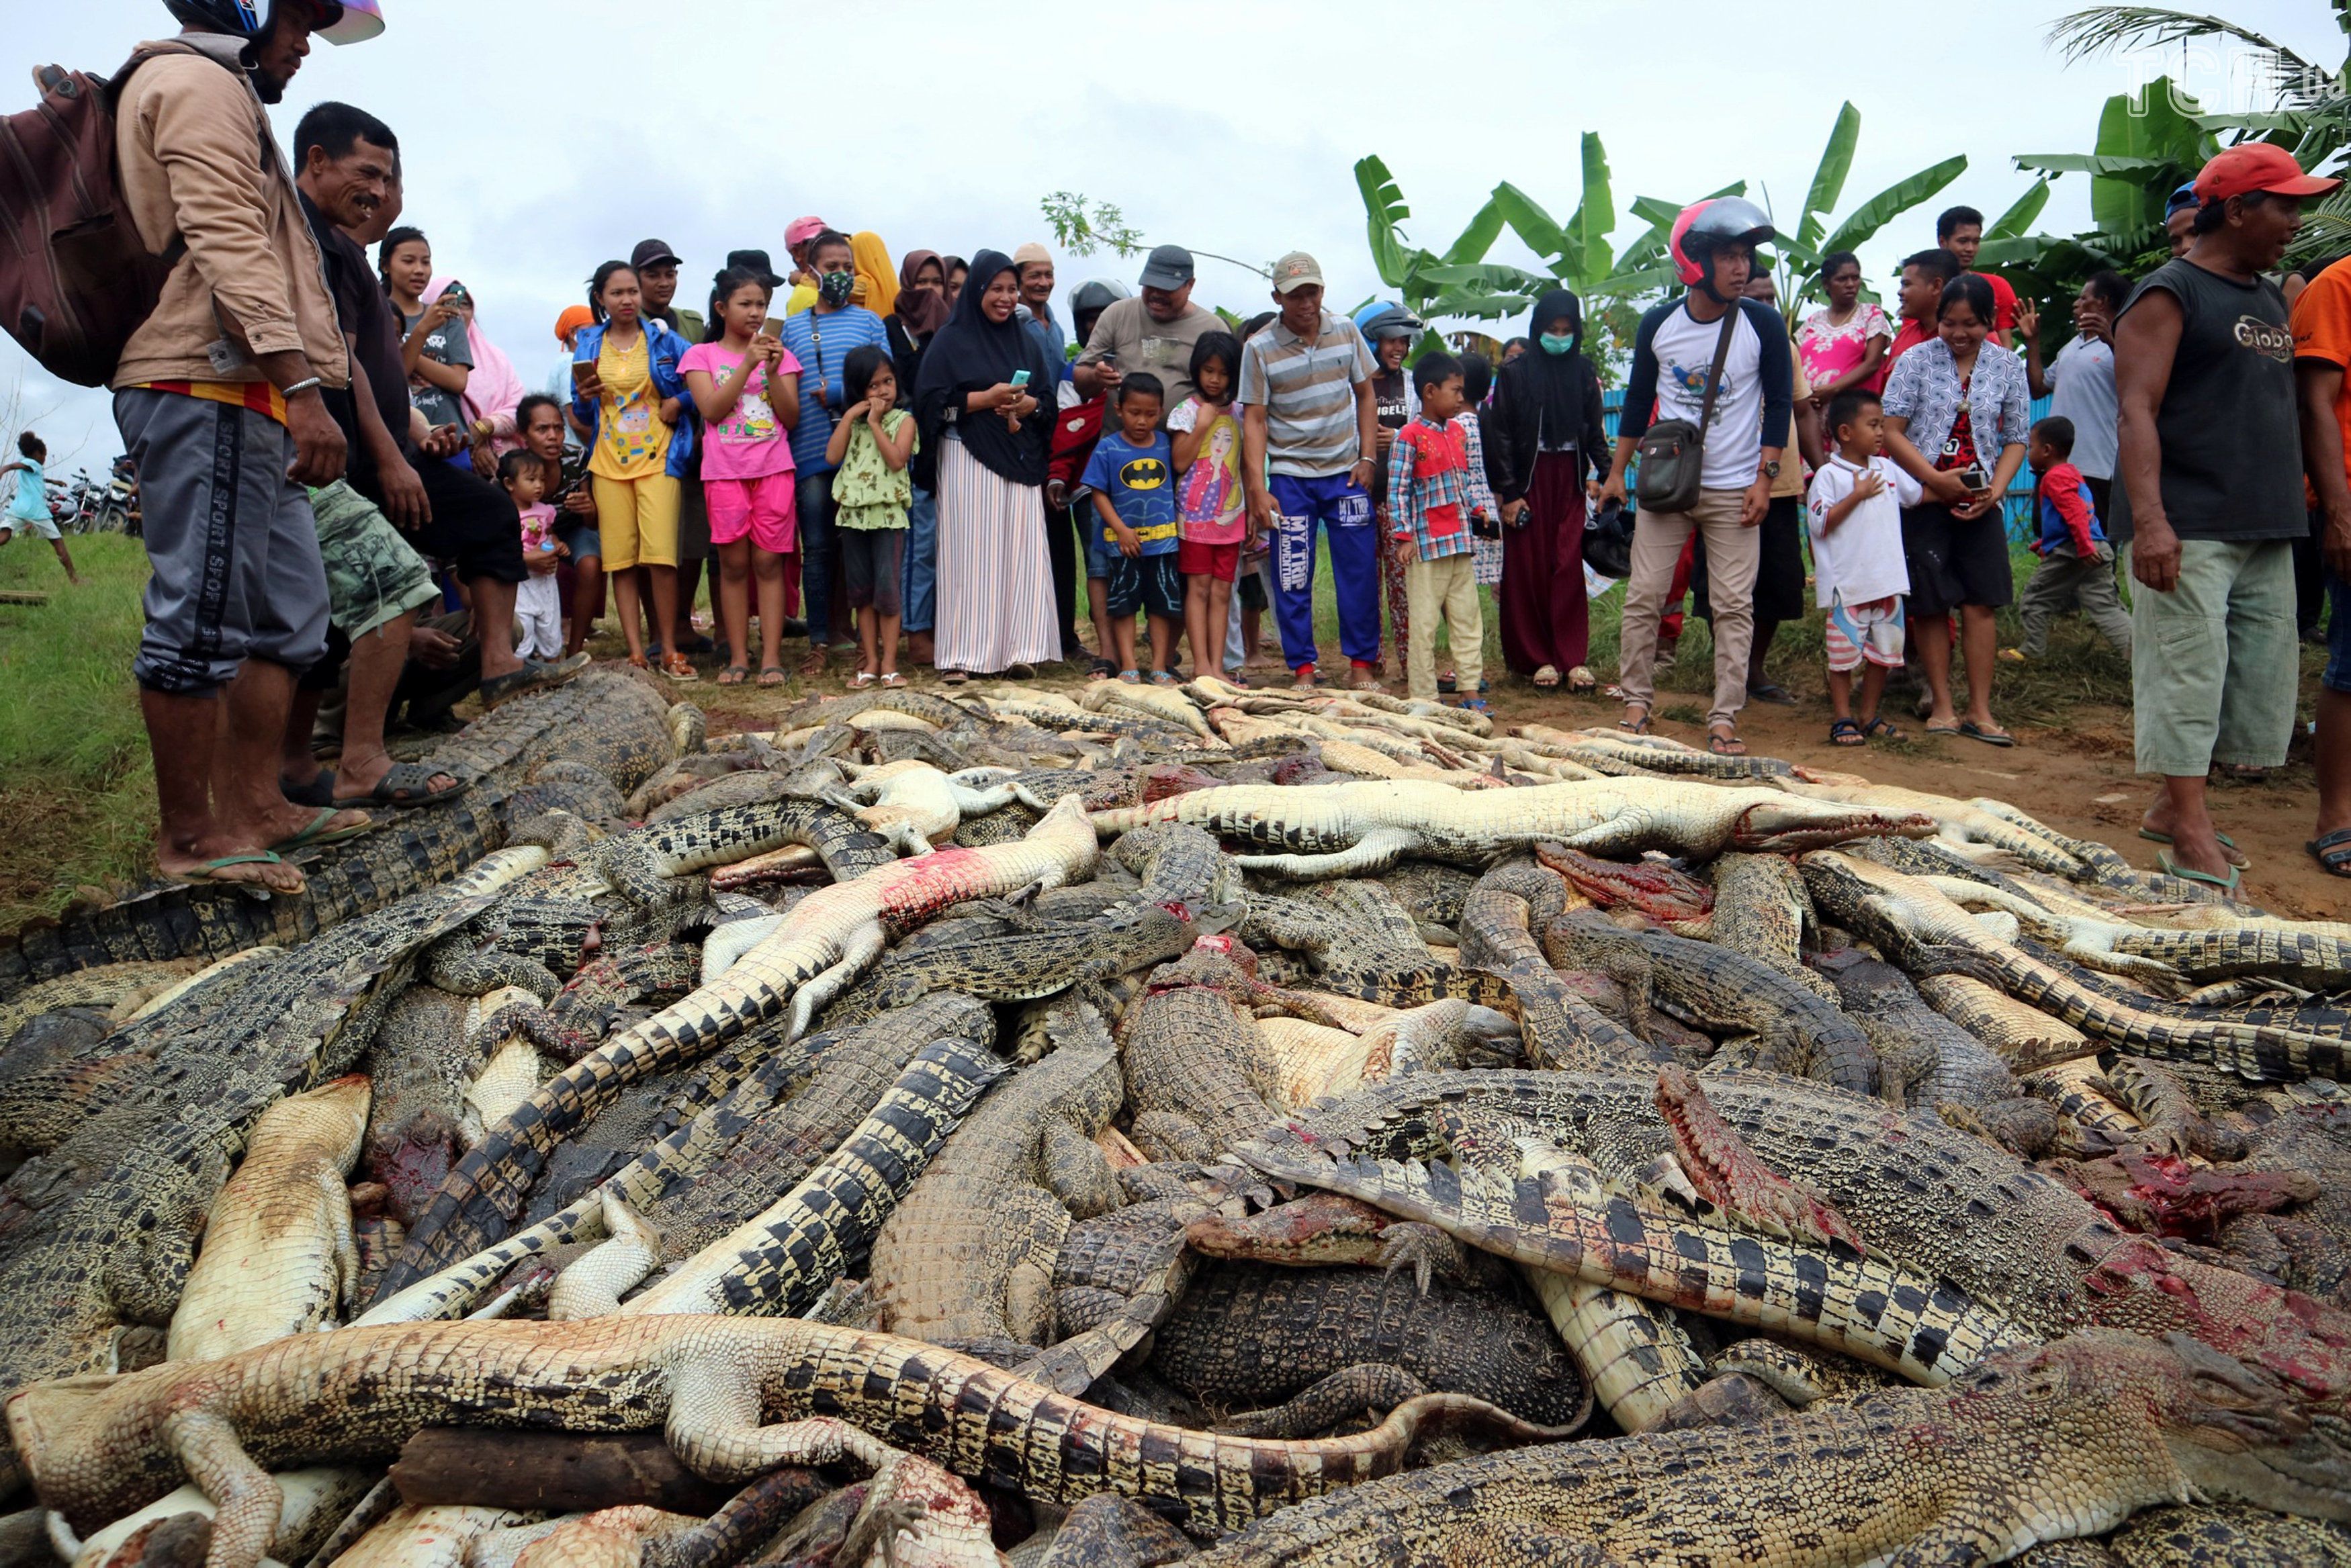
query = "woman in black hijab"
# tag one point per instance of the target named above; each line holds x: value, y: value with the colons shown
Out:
x: 1545, y: 444
x: 995, y: 585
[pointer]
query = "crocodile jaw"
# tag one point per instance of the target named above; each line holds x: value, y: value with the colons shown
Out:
x: 1792, y: 825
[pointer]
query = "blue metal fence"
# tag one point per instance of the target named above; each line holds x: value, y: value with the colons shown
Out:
x: 2017, y: 505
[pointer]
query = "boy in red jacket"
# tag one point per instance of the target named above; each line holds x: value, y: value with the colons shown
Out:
x: 2076, y: 562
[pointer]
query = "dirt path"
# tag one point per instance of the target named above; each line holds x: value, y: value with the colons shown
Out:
x: 2076, y: 777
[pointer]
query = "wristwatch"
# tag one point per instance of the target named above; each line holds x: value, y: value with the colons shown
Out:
x: 1771, y: 469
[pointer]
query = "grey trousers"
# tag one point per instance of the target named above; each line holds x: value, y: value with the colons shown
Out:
x: 234, y: 550
x: 2061, y: 581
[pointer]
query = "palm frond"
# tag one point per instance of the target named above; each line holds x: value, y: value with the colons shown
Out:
x: 2097, y: 30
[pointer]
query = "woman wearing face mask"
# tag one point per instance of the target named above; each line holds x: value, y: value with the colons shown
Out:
x: 995, y: 586
x: 1544, y: 443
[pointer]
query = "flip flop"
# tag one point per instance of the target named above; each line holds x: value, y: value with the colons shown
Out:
x: 1975, y: 732
x: 320, y: 791
x: 734, y: 675
x: 1772, y: 692
x: 1729, y: 745
x: 2332, y: 851
x: 861, y: 679
x: 1943, y: 729
x: 777, y: 672
x: 893, y: 678
x: 317, y: 833
x: 202, y: 875
x: 2152, y: 836
x: 2173, y: 868
x: 404, y: 784
x: 1580, y: 679
x: 1102, y: 669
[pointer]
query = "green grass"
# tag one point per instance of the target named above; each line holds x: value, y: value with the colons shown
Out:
x: 78, y: 791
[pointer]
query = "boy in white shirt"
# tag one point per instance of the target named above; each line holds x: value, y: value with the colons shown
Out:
x: 1855, y: 513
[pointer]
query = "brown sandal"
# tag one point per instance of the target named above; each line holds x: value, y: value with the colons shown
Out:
x: 680, y: 669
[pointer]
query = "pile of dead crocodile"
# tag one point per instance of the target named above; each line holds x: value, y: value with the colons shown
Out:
x: 1281, y: 1127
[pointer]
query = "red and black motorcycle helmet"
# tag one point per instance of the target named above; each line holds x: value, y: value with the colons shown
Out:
x: 1718, y: 220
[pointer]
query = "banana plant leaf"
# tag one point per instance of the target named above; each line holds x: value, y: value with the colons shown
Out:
x: 1485, y: 228
x: 2092, y: 163
x: 2155, y: 124
x: 1534, y: 226
x: 1383, y: 210
x: 1483, y: 277
x: 1892, y: 202
x: 1828, y: 179
x: 1480, y: 306
x: 2019, y: 217
x: 1594, y: 218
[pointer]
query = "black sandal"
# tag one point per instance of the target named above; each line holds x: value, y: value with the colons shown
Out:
x: 2333, y: 852
x: 1846, y: 733
x: 1635, y: 726
x: 1877, y: 724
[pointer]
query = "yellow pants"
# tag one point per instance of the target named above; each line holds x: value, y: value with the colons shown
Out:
x: 638, y: 520
x: 1448, y: 585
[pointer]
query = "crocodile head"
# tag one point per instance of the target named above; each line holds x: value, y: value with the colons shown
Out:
x: 1791, y: 823
x: 2238, y: 1433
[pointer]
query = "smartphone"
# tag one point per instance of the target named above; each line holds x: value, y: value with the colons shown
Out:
x: 456, y: 292
x: 771, y: 327
x: 1974, y: 477
x: 583, y: 370
x: 1020, y: 377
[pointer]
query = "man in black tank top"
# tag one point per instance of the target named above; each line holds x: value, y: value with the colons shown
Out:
x: 2211, y: 500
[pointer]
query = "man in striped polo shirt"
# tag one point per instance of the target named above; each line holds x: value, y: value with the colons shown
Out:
x: 1308, y: 417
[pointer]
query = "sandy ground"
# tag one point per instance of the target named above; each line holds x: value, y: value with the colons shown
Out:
x: 2075, y: 775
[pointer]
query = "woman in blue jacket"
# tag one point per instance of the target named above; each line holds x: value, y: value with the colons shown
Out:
x: 628, y: 391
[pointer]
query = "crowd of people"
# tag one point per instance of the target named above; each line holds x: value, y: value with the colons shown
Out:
x: 356, y: 504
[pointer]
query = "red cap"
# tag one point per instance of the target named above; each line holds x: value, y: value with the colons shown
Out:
x: 2258, y: 166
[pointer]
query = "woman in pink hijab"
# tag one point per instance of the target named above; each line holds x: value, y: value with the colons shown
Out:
x: 492, y: 391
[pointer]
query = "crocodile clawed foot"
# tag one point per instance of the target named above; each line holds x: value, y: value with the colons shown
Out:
x: 1729, y: 1175
x: 1426, y: 1250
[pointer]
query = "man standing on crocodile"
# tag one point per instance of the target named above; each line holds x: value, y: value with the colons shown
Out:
x: 218, y: 395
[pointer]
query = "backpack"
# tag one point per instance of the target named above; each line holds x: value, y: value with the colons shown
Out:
x: 76, y: 280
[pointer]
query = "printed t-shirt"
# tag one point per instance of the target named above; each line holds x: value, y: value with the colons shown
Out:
x: 1827, y: 350
x: 821, y: 340
x: 1140, y: 482
x: 867, y: 493
x: 1210, y: 505
x: 1137, y: 341
x: 631, y: 439
x: 1861, y: 560
x: 751, y: 441
x: 444, y: 344
x: 2228, y: 426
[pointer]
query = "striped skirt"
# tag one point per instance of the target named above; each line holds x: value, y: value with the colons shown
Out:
x: 995, y: 585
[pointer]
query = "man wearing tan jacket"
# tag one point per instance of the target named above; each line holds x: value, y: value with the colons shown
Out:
x: 217, y: 397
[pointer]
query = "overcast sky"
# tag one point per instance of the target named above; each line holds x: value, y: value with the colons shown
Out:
x: 542, y: 136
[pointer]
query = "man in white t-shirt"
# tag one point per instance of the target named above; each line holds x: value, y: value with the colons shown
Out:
x: 2080, y: 382
x: 1673, y: 355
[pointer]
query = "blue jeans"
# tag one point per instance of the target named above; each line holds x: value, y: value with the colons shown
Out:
x: 1345, y: 510
x: 813, y: 501
x: 919, y: 577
